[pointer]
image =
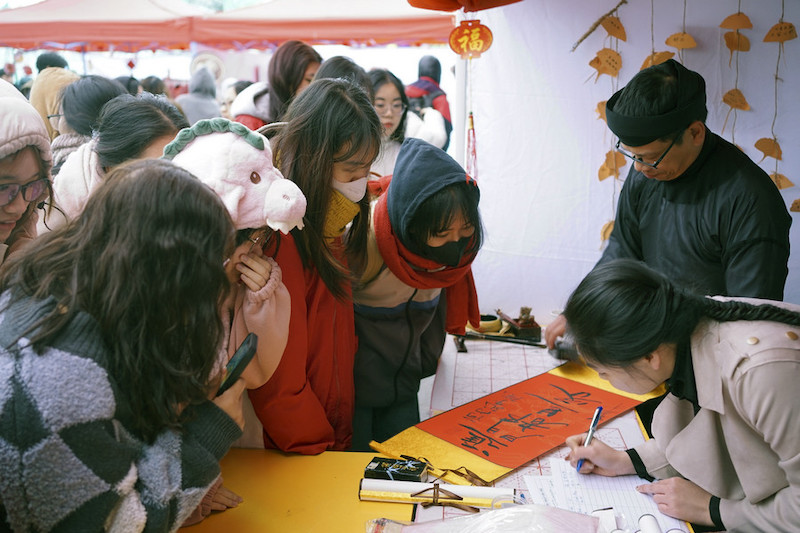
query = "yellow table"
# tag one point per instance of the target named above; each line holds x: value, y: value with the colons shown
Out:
x: 297, y: 493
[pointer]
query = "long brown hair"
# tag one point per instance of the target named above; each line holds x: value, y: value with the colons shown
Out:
x: 144, y: 261
x: 331, y: 121
x: 285, y: 73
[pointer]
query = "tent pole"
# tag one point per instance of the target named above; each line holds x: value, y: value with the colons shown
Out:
x: 459, y: 114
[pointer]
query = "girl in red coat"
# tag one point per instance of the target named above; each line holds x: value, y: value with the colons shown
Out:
x: 326, y: 147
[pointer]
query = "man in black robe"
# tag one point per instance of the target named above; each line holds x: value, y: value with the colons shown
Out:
x: 693, y: 206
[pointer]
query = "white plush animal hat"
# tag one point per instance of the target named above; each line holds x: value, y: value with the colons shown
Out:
x: 237, y: 164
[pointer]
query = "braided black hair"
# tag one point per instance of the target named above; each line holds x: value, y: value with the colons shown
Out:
x: 624, y: 310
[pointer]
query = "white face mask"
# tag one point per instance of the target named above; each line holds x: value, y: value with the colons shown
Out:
x: 352, y: 190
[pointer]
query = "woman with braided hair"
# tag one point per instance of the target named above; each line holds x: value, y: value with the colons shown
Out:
x: 725, y: 450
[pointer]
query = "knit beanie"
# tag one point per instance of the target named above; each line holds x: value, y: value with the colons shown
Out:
x: 236, y: 163
x: 21, y: 125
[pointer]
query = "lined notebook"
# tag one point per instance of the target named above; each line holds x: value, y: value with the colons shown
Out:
x: 567, y: 489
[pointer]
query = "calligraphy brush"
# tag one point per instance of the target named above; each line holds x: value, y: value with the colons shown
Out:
x: 513, y: 340
x: 564, y: 349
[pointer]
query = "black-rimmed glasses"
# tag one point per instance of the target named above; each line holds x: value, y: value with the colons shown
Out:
x: 641, y: 161
x: 30, y: 191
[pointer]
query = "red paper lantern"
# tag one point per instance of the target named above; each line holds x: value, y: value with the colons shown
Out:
x: 470, y: 39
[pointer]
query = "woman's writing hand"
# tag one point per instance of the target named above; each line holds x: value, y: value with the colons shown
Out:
x: 599, y: 458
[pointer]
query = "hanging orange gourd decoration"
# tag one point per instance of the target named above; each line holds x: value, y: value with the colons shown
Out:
x: 781, y: 181
x: 656, y: 58
x: 737, y: 21
x: 614, y: 27
x: 607, y: 61
x: 470, y: 39
x: 681, y: 41
x: 780, y: 33
x: 769, y: 147
x: 601, y: 110
x: 736, y: 100
x: 734, y: 40
x: 614, y: 161
x: 605, y: 231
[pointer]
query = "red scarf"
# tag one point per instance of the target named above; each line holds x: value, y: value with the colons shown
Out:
x: 462, y: 298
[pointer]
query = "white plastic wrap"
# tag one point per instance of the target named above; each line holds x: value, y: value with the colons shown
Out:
x: 529, y: 518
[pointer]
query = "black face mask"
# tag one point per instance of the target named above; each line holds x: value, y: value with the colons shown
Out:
x: 448, y: 254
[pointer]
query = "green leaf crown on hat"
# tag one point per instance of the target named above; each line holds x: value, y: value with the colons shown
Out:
x: 212, y: 125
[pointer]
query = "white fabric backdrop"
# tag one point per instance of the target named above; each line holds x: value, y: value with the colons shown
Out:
x: 540, y: 142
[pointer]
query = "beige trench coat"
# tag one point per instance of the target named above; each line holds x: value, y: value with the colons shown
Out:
x: 744, y: 444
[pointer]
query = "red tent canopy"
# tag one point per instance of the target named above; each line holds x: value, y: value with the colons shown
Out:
x: 151, y: 24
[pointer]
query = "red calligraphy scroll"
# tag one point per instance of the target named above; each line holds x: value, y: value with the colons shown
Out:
x: 519, y: 423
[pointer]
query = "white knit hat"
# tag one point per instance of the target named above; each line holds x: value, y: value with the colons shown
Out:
x: 21, y: 125
x: 237, y: 164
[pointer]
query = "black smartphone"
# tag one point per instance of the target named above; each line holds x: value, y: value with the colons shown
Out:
x: 244, y: 354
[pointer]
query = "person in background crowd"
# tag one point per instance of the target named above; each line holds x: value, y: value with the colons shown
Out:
x: 291, y: 69
x: 229, y: 95
x: 25, y: 161
x: 81, y: 102
x: 725, y: 444
x: 110, y: 331
x: 391, y: 104
x: 46, y: 95
x: 50, y: 59
x: 417, y: 286
x: 131, y: 84
x: 7, y: 74
x: 326, y: 147
x: 156, y: 122
x: 154, y: 85
x: 24, y: 86
x: 201, y: 100
x: 425, y: 92
x: 251, y: 106
x: 347, y: 69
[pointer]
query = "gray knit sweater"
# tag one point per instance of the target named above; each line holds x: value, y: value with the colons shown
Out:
x: 67, y: 460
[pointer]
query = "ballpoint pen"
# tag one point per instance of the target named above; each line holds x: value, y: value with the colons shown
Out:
x: 592, y: 427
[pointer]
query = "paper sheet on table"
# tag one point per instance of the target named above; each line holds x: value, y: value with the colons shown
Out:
x: 567, y: 489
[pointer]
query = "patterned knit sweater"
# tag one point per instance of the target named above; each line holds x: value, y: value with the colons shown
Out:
x: 68, y: 461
